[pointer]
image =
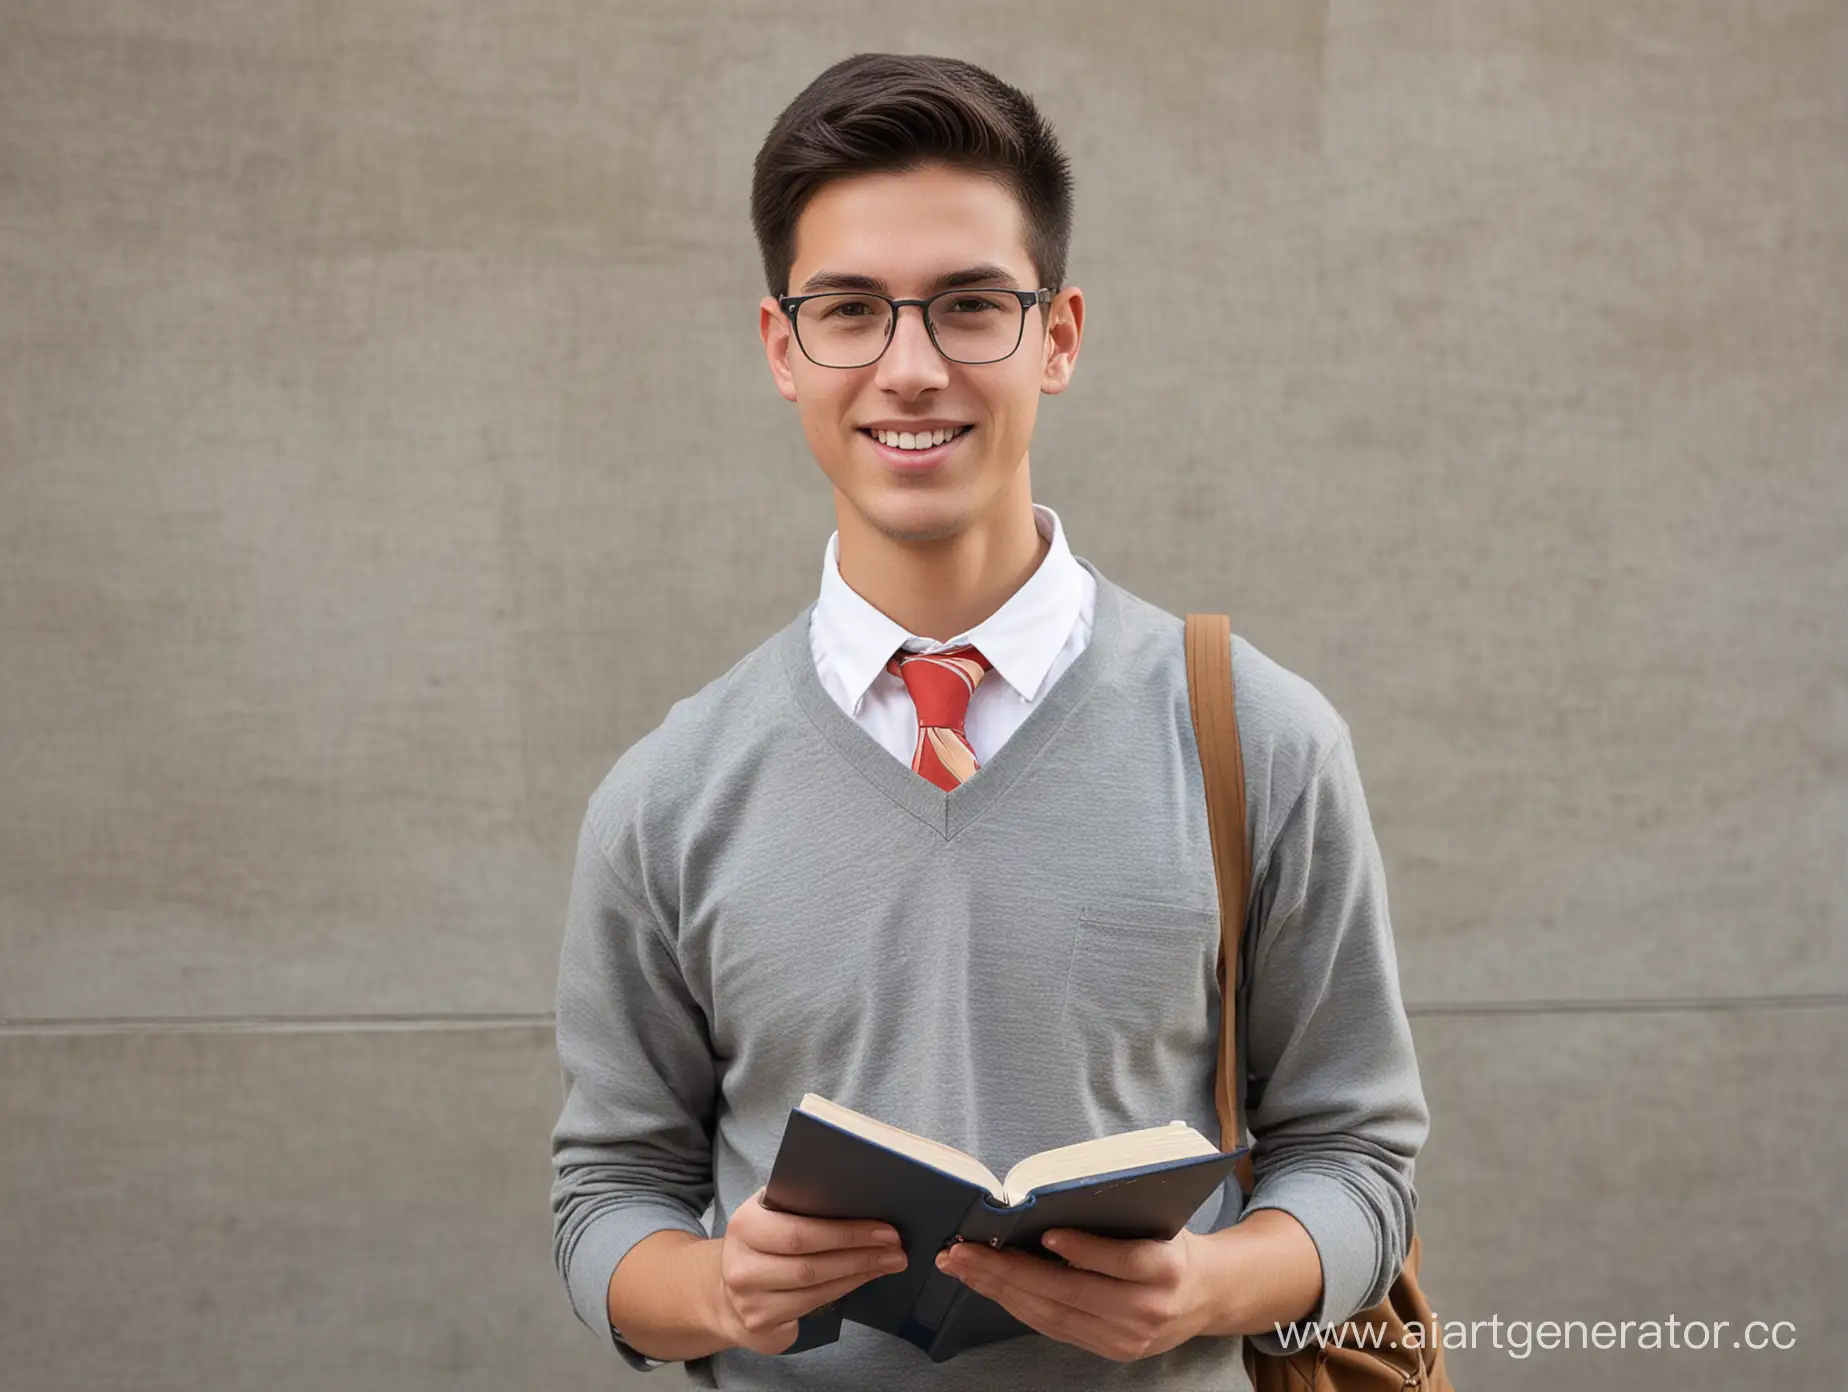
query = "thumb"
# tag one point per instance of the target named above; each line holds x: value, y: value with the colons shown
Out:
x: 1079, y: 1249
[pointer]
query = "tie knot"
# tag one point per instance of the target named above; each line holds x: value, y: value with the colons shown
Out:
x: 941, y: 683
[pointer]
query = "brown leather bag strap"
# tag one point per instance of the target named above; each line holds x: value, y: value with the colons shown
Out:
x: 1395, y: 1363
x: 1211, y: 695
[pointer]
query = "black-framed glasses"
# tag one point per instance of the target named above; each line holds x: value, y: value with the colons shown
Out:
x: 850, y: 329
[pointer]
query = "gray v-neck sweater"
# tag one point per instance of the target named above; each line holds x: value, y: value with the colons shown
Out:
x: 767, y: 903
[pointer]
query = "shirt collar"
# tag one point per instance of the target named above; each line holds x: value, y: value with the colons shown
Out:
x: 1021, y: 638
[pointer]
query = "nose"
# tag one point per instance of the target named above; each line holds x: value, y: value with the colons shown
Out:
x: 911, y: 349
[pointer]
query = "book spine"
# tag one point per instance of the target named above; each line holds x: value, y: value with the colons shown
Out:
x: 987, y: 1223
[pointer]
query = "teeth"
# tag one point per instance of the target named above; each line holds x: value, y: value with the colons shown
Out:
x: 896, y: 439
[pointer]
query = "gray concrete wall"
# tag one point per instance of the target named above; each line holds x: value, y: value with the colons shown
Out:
x: 1486, y: 362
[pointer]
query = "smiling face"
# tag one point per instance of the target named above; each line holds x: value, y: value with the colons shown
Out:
x: 910, y: 231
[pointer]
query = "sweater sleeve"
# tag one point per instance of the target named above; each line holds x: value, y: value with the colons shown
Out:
x: 632, y: 1150
x: 1334, y: 1104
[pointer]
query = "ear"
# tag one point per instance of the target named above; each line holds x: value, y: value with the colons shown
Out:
x: 1064, y: 330
x: 773, y: 325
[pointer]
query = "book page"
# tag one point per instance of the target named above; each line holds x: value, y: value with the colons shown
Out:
x: 1127, y: 1150
x: 921, y: 1148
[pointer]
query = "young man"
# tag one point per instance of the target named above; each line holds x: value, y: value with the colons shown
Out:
x: 938, y: 849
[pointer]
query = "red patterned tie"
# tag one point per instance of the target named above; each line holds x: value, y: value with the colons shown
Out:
x: 941, y: 684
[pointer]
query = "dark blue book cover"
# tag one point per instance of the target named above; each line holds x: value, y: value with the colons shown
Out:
x: 825, y: 1170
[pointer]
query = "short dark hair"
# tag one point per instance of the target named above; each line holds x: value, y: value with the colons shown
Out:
x: 896, y: 112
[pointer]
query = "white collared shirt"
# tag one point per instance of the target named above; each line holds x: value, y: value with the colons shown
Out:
x: 1030, y: 639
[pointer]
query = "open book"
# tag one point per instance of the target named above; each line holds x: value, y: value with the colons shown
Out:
x: 1126, y: 1150
x: 835, y: 1162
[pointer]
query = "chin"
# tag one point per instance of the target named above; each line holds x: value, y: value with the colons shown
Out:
x: 931, y: 522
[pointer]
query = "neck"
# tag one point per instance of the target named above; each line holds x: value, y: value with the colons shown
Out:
x: 938, y: 587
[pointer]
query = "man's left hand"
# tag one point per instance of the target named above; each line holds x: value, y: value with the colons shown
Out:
x: 1122, y: 1299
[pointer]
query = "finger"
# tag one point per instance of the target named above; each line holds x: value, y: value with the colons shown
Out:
x: 1055, y: 1320
x: 775, y: 1272
x: 1090, y: 1291
x: 1127, y: 1259
x: 772, y: 1230
x: 776, y: 1339
x: 789, y: 1304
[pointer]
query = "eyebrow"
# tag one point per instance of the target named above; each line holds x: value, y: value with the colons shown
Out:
x: 847, y: 280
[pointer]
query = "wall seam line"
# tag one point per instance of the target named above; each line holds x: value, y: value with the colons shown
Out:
x: 407, y: 1023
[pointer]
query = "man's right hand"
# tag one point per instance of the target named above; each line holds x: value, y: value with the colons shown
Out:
x: 776, y: 1267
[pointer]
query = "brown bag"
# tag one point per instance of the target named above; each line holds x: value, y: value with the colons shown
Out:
x: 1385, y: 1363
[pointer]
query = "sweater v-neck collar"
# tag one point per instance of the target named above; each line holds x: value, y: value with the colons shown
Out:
x: 947, y: 813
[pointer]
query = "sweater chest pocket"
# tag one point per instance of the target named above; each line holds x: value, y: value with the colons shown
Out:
x: 1143, y: 975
